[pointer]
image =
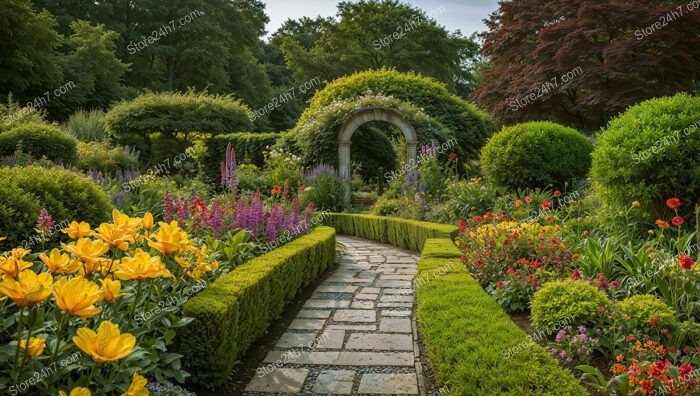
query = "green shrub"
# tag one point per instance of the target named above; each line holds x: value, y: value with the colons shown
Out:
x: 158, y: 121
x: 472, y: 345
x: 100, y: 157
x: 65, y: 195
x: 12, y: 115
x: 642, y: 308
x: 408, y: 234
x: 86, y: 126
x: 325, y: 189
x: 39, y: 141
x: 249, y: 147
x: 651, y: 153
x: 237, y: 308
x: 536, y: 155
x: 566, y: 301
x: 449, y: 115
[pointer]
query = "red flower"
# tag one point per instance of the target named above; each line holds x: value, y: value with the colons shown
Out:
x: 654, y: 321
x: 677, y: 221
x: 557, y: 194
x: 576, y: 275
x: 536, y: 284
x: 615, y: 284
x: 630, y: 338
x: 673, y: 203
x: 546, y: 205
x: 530, y: 277
x: 499, y: 285
x: 453, y: 155
x: 686, y: 262
x: 488, y: 215
x: 478, y: 219
x: 464, y: 258
x: 586, y: 233
x: 276, y: 189
x: 685, y: 370
x: 462, y: 226
x: 528, y: 199
x: 478, y: 263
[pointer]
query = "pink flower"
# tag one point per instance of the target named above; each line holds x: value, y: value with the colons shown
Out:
x: 557, y: 194
x: 677, y: 221
x: 673, y: 203
x: 576, y: 275
x: 528, y: 199
x: 546, y: 205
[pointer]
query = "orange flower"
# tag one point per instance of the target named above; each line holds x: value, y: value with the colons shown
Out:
x: 518, y: 203
x: 58, y: 263
x: 276, y: 189
x: 662, y: 224
x: 12, y: 266
x: 116, y: 236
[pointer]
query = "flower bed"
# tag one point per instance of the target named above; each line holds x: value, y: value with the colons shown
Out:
x: 237, y: 308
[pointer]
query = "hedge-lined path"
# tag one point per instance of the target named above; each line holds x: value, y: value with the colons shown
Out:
x: 355, y: 335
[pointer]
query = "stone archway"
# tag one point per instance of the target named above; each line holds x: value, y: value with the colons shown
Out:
x: 363, y: 116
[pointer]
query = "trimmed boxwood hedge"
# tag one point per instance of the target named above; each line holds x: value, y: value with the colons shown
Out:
x: 39, y: 141
x: 249, y: 148
x: 236, y: 309
x: 473, y: 346
x: 408, y: 234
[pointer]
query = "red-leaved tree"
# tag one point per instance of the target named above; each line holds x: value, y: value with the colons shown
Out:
x: 583, y: 62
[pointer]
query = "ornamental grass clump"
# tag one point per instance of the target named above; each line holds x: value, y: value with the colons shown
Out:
x: 89, y: 317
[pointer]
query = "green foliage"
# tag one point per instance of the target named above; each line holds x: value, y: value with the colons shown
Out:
x: 449, y: 116
x: 536, y: 155
x: 471, y: 197
x: 86, y: 126
x: 326, y: 191
x: 249, y: 148
x: 644, y: 307
x: 440, y: 248
x: 100, y: 157
x: 473, y: 346
x: 237, y: 308
x: 566, y: 301
x: 39, y: 141
x: 650, y: 153
x: 408, y: 234
x: 13, y: 114
x: 177, y: 118
x: 64, y: 194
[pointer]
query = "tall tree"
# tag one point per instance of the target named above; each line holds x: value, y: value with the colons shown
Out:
x: 581, y: 63
x: 372, y: 34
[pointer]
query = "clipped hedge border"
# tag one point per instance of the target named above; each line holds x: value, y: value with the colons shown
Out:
x: 236, y: 309
x: 473, y: 346
x: 408, y: 234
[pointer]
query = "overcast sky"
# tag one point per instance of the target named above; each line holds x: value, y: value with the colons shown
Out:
x: 465, y: 15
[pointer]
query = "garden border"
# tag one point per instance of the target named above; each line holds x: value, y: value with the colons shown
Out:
x: 236, y: 309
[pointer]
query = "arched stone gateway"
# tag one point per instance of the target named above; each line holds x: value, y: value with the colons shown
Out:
x: 363, y: 116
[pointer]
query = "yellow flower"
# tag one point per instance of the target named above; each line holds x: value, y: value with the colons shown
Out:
x: 78, y: 230
x: 170, y: 238
x: 77, y: 296
x: 141, y: 266
x: 120, y: 219
x: 148, y: 221
x: 137, y: 387
x: 79, y: 391
x: 12, y: 266
x: 19, y: 253
x: 107, y: 345
x: 636, y: 204
x: 58, y: 263
x: 36, y: 345
x: 116, y: 236
x: 88, y: 251
x: 28, y: 289
x: 111, y: 289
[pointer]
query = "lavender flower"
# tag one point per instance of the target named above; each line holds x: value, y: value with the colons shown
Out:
x: 229, y: 170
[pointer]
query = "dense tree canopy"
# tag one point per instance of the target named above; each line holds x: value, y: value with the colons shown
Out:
x: 583, y: 62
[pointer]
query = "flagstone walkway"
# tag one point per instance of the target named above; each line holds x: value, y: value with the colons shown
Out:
x: 355, y: 335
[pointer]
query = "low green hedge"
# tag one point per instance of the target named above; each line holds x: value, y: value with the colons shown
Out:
x: 408, y: 234
x: 473, y: 346
x: 237, y: 308
x: 39, y: 141
x: 249, y: 148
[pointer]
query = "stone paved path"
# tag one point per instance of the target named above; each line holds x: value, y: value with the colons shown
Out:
x: 355, y: 335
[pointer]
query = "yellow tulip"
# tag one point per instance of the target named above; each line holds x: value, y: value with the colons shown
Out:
x: 19, y: 253
x: 169, y: 239
x: 78, y: 230
x: 12, y: 266
x: 28, y: 289
x: 36, y: 345
x: 111, y: 289
x: 105, y: 345
x: 77, y: 296
x: 120, y: 219
x: 88, y: 251
x: 59, y: 263
x: 115, y: 236
x: 137, y: 387
x: 148, y: 221
x: 79, y: 391
x: 141, y: 266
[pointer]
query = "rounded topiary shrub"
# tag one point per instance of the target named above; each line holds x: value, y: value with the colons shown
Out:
x: 643, y: 308
x: 651, y: 153
x: 39, y: 141
x: 162, y: 122
x: 65, y: 195
x: 536, y: 155
x: 566, y: 302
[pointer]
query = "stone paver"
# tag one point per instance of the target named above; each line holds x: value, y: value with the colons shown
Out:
x: 355, y: 335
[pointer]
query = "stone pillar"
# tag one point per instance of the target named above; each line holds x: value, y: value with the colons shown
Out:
x: 344, y: 169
